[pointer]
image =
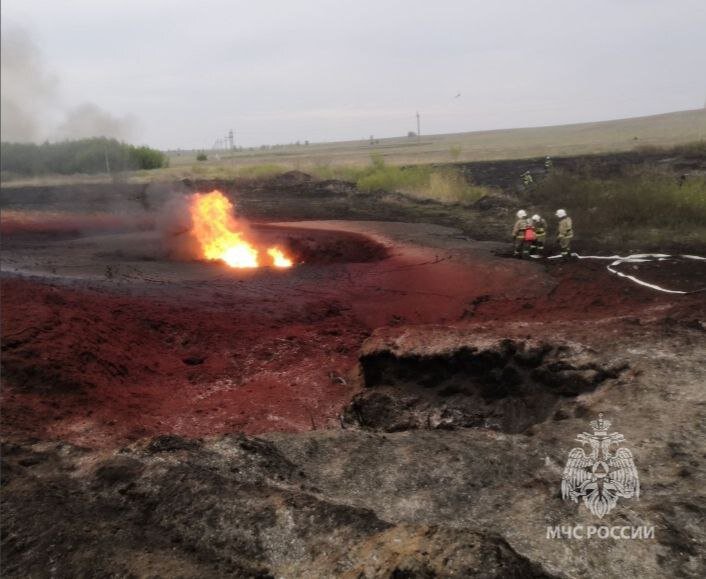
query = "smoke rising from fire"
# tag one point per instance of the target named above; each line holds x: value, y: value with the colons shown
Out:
x: 174, y: 225
x: 27, y: 89
x: 89, y: 120
x: 31, y: 102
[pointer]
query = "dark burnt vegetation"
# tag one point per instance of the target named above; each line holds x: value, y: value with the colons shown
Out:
x: 507, y: 386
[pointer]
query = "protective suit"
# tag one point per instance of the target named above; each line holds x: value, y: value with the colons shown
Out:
x: 540, y: 230
x: 565, y: 234
x: 518, y: 234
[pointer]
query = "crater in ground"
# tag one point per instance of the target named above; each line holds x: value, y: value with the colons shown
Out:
x: 502, y: 384
x: 321, y: 246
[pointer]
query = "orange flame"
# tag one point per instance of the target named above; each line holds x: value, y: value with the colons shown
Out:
x: 279, y: 259
x: 216, y: 230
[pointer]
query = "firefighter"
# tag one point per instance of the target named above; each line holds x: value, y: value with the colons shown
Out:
x: 565, y: 232
x: 518, y: 233
x: 548, y: 164
x: 527, y: 179
x: 540, y: 231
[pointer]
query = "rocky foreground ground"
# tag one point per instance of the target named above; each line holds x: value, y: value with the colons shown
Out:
x: 456, y: 474
x: 431, y: 443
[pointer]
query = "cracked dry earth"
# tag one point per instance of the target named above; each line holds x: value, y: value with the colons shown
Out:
x: 443, y: 455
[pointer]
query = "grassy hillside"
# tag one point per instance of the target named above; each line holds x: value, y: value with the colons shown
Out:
x: 321, y: 158
x: 585, y: 138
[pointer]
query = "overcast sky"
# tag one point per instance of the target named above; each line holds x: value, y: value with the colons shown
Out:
x: 181, y: 73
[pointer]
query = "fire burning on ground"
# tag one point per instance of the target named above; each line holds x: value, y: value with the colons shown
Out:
x: 220, y: 238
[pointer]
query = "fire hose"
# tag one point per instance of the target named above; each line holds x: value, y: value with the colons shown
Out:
x: 617, y: 260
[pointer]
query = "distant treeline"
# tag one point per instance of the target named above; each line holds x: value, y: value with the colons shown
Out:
x: 99, y: 155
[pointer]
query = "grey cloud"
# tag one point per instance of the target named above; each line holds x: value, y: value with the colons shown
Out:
x: 281, y: 71
x: 89, y: 120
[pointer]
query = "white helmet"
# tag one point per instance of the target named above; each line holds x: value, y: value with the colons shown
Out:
x: 560, y: 213
x: 521, y: 214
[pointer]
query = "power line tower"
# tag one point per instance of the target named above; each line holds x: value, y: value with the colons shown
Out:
x: 419, y: 132
x: 231, y: 139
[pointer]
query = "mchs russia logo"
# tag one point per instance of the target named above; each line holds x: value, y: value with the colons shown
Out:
x: 601, y: 473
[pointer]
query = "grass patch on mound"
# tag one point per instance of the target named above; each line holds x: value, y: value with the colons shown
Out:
x: 245, y: 171
x: 446, y: 185
x: 216, y: 171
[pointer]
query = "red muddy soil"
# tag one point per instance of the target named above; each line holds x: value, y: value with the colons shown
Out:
x: 209, y: 350
x: 90, y: 366
x: 55, y: 223
x: 198, y: 349
x: 585, y: 290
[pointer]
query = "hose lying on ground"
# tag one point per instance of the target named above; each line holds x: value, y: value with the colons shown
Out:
x: 617, y: 260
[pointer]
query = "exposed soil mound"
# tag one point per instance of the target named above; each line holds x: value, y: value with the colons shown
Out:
x: 292, y: 178
x: 502, y: 384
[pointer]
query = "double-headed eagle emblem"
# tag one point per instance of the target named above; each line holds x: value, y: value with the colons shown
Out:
x: 603, y: 475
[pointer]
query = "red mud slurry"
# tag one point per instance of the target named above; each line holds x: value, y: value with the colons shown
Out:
x: 71, y: 224
x: 251, y: 352
x: 254, y: 352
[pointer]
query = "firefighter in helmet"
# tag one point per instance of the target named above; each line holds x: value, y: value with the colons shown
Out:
x: 565, y: 232
x: 540, y: 231
x: 527, y: 180
x: 519, y: 234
